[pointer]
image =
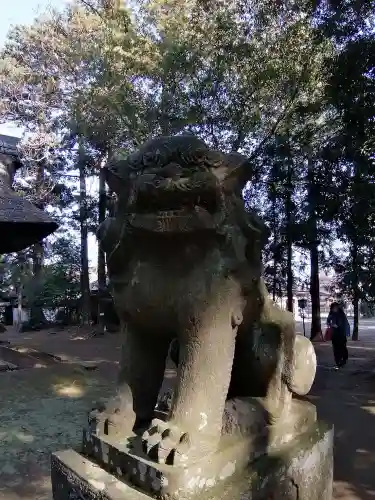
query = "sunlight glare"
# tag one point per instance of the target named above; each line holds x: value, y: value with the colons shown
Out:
x: 68, y: 390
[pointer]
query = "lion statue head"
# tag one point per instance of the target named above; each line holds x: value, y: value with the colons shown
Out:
x: 177, y: 184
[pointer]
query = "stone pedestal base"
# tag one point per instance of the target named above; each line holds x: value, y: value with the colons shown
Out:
x: 300, y: 470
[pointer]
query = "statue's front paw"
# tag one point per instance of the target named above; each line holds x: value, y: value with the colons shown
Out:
x: 166, y: 442
x: 114, y: 419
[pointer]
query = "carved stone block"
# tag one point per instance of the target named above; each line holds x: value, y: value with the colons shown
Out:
x: 298, y: 470
x: 246, y: 435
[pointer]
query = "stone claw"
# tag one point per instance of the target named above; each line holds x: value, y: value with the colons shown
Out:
x: 114, y: 419
x: 166, y: 443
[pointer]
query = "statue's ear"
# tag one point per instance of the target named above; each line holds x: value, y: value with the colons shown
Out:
x: 258, y: 225
x: 116, y: 182
x: 233, y: 171
x: 253, y: 226
x: 109, y: 233
x: 241, y: 169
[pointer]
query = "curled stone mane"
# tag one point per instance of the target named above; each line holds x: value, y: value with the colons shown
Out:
x: 186, y: 150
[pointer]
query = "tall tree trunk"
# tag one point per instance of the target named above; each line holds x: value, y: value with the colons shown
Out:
x: 102, y: 281
x: 37, y: 316
x: 355, y: 318
x: 355, y: 290
x: 165, y: 101
x: 102, y: 275
x: 316, y: 326
x: 275, y: 259
x: 85, y: 280
x: 20, y: 288
x: 274, y: 276
x: 289, y: 238
x: 36, y: 310
x: 110, y: 204
x: 290, y: 278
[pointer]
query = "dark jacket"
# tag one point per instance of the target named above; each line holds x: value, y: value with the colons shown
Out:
x: 339, y: 324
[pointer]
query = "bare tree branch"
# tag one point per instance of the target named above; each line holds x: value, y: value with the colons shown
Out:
x: 92, y: 8
x: 284, y: 114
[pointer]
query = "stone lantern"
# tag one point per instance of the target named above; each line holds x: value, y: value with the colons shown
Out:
x: 21, y: 223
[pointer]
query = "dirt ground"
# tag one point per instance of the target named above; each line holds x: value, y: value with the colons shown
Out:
x: 41, y: 411
x: 345, y: 398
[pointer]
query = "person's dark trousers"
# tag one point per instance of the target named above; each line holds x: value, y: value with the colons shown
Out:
x: 340, y: 351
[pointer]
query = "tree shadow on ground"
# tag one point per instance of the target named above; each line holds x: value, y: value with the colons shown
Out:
x: 41, y: 411
x: 346, y: 398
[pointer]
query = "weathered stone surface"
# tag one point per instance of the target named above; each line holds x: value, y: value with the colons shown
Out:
x: 184, y: 261
x: 244, y: 417
x: 300, y: 470
x: 246, y: 435
x: 77, y: 478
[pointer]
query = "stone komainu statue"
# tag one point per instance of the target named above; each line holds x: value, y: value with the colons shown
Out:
x: 184, y: 262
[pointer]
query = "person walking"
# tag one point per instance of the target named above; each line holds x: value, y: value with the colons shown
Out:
x: 340, y: 330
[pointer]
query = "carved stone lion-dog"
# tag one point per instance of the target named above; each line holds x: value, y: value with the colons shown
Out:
x: 184, y: 262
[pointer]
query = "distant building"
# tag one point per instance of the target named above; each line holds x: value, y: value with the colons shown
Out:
x: 327, y: 296
x: 326, y: 293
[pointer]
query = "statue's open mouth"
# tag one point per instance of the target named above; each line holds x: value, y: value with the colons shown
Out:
x: 177, y: 202
x: 175, y: 206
